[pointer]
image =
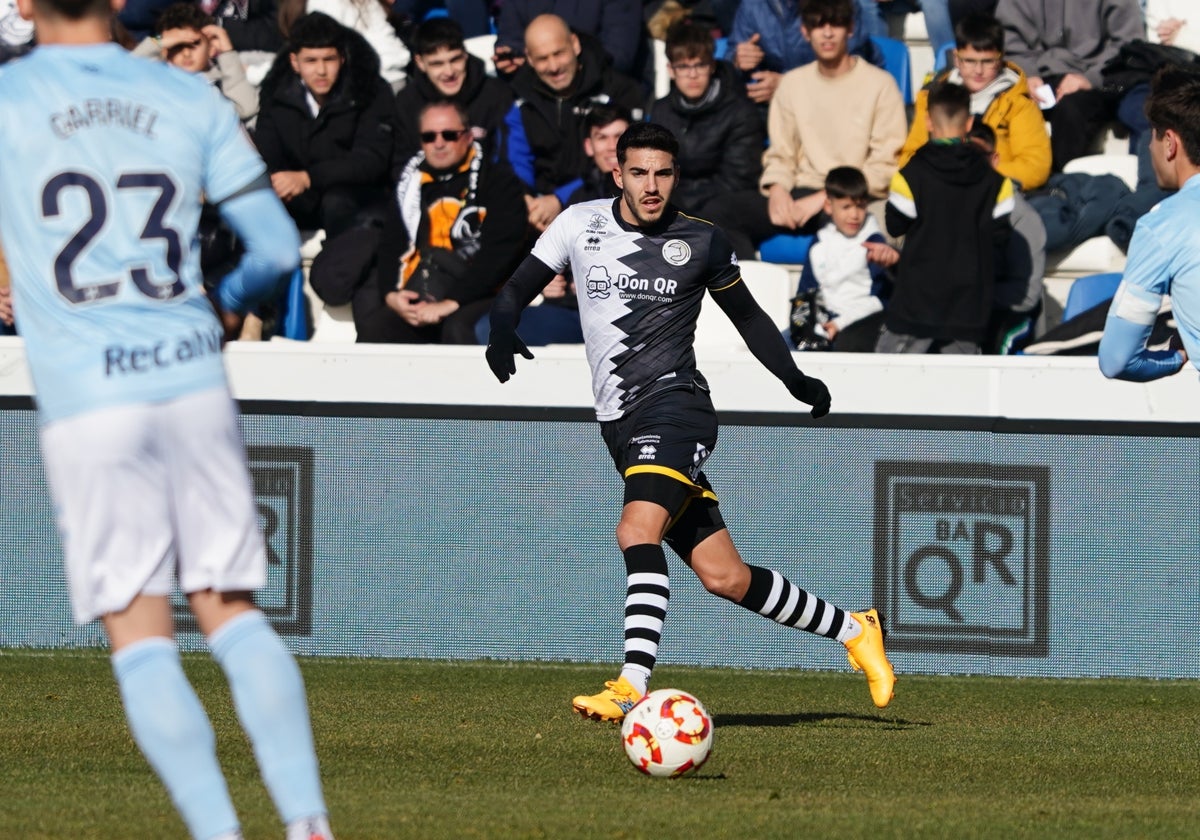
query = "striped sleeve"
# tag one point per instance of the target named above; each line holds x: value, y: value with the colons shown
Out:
x: 1004, y: 200
x: 900, y: 196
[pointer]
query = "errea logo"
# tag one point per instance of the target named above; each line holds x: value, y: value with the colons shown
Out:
x: 647, y: 453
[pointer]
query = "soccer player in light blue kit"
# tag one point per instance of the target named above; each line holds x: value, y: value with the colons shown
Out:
x: 104, y: 161
x: 1164, y: 254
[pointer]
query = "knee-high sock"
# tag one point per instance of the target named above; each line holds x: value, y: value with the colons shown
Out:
x: 170, y: 726
x: 647, y: 591
x: 773, y: 595
x: 271, y: 705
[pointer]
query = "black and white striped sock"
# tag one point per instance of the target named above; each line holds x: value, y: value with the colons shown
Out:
x: 646, y: 594
x: 773, y: 595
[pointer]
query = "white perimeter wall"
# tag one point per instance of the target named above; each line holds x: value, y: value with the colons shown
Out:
x: 1015, y: 387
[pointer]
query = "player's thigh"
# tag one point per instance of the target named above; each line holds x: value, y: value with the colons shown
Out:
x: 660, y: 450
x: 109, y: 481
x: 219, y: 543
x: 717, y: 564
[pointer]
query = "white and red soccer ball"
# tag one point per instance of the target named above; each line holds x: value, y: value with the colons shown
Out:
x: 667, y: 733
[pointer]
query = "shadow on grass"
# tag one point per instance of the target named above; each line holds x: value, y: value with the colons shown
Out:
x: 809, y: 718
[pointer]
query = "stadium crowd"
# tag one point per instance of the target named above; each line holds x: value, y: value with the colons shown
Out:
x: 421, y: 167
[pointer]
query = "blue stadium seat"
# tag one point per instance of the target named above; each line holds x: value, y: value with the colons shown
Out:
x: 897, y: 61
x: 941, y: 57
x: 791, y: 248
x: 1090, y: 291
x: 295, y: 317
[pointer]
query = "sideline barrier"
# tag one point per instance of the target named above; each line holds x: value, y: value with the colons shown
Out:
x: 1016, y: 516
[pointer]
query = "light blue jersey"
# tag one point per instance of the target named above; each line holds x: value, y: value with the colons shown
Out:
x: 100, y: 198
x: 1164, y: 259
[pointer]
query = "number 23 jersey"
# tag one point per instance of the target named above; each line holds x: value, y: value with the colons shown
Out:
x: 640, y: 292
x: 104, y: 161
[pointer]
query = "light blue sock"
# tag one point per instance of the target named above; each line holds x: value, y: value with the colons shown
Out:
x: 269, y: 695
x: 170, y: 726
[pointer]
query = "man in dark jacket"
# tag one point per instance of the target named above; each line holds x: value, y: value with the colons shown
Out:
x: 953, y: 209
x: 326, y: 127
x: 564, y: 77
x: 615, y: 24
x: 721, y: 136
x: 441, y: 69
x: 454, y: 233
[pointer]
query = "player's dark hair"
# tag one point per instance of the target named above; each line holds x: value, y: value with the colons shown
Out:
x: 847, y: 182
x: 643, y: 135
x: 949, y: 102
x: 316, y: 30
x: 603, y: 115
x: 183, y: 16
x: 983, y: 135
x: 817, y: 13
x: 688, y: 40
x: 74, y: 9
x: 436, y: 34
x: 1174, y: 103
x: 981, y: 32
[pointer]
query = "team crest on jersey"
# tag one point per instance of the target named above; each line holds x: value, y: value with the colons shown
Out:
x: 676, y: 252
x: 598, y: 282
x: 597, y: 222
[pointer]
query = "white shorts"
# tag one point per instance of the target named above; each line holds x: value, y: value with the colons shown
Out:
x: 146, y: 492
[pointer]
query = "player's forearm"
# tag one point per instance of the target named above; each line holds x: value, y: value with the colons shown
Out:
x: 761, y: 335
x: 1123, y: 353
x: 272, y: 249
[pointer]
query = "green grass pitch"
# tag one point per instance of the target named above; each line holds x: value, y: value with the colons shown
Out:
x: 418, y: 749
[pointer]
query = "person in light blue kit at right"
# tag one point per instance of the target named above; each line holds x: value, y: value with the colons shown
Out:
x: 1164, y: 254
x: 104, y: 161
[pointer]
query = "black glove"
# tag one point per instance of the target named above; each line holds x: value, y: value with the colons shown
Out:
x: 501, y: 353
x: 809, y: 389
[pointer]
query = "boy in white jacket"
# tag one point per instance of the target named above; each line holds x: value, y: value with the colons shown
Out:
x: 844, y: 284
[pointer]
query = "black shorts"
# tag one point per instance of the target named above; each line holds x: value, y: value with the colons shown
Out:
x: 660, y: 449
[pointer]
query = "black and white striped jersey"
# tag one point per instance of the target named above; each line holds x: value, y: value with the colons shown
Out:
x: 640, y: 291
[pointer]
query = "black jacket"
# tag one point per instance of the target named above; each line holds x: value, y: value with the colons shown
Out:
x: 953, y: 226
x: 721, y: 140
x: 498, y: 241
x: 550, y: 127
x: 486, y: 99
x: 349, y: 143
x: 251, y: 24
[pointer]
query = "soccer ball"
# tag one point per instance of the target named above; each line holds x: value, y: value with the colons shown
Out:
x: 667, y: 733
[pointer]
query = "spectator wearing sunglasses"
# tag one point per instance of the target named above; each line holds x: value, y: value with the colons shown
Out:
x: 454, y: 231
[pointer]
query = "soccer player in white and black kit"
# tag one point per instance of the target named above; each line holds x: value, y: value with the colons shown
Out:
x: 641, y: 270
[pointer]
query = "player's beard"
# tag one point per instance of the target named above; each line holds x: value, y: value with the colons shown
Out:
x: 640, y: 212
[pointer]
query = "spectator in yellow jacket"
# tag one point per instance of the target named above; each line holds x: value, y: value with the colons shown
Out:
x: 999, y: 97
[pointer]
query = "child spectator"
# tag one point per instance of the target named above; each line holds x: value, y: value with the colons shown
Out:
x: 189, y: 38
x: 953, y: 209
x: 846, y: 272
x: 1020, y: 267
x: 999, y: 98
